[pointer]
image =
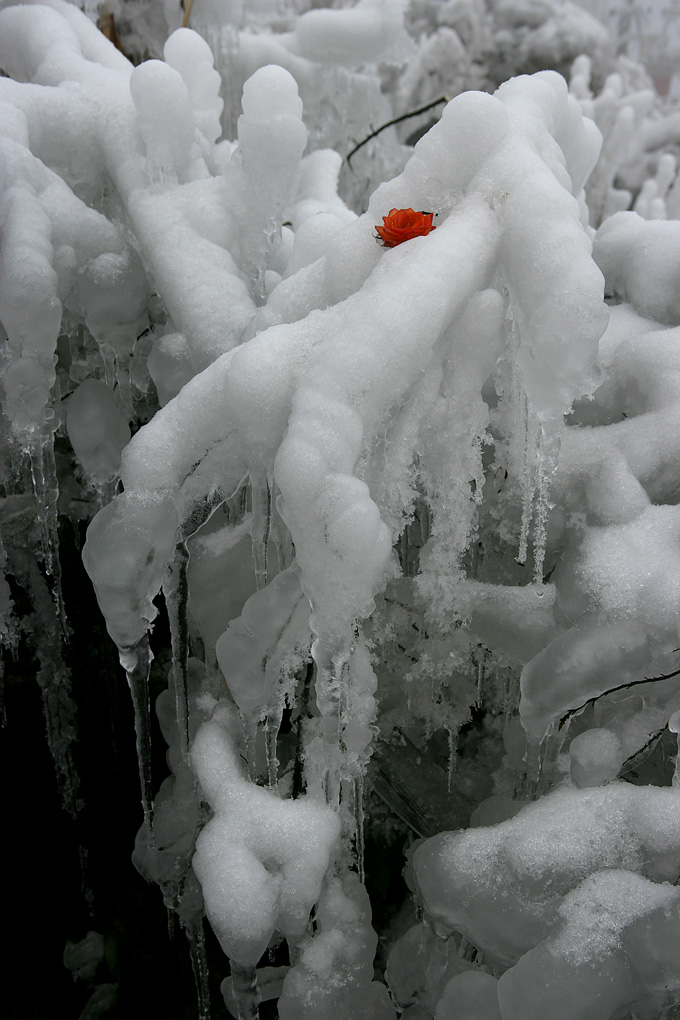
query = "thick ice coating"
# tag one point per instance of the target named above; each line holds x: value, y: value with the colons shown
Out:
x: 503, y: 886
x: 261, y: 650
x: 395, y: 311
x: 191, y: 56
x: 260, y: 860
x: 640, y: 259
x: 97, y: 429
x: 333, y: 978
x: 602, y: 955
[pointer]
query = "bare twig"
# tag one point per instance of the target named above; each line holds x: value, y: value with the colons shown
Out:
x: 396, y: 120
x: 186, y: 6
x: 107, y: 27
x: 621, y: 687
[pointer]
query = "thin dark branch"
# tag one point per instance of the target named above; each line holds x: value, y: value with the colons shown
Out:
x: 397, y: 120
x: 621, y: 687
x: 632, y: 759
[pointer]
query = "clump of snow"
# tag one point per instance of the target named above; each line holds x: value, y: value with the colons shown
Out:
x: 596, y: 757
x: 640, y: 259
x: 97, y: 429
x: 503, y: 886
x: 381, y: 483
x: 260, y: 860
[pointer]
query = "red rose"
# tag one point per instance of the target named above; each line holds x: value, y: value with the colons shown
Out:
x: 402, y: 224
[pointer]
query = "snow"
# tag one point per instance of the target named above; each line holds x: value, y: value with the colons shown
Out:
x: 377, y: 490
x: 503, y: 885
x: 260, y: 860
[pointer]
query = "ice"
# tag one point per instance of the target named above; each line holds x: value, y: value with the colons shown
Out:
x: 82, y: 958
x: 600, y: 921
x: 272, y: 139
x: 260, y: 860
x: 261, y: 489
x: 503, y: 886
x: 214, y: 554
x: 420, y: 965
x: 649, y: 282
x: 372, y: 30
x: 165, y: 119
x: 547, y: 31
x: 199, y: 963
x: 620, y: 109
x: 97, y: 430
x: 170, y: 365
x: 191, y: 56
x: 176, y: 591
x: 137, y: 666
x: 32, y: 327
x: 112, y: 288
x: 470, y: 996
x: 125, y: 566
x: 259, y: 652
x: 382, y: 484
x: 596, y: 757
x: 333, y: 979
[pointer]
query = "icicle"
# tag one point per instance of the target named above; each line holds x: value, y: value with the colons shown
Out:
x: 244, y: 984
x: 271, y: 733
x: 528, y: 477
x: 176, y: 591
x: 242, y: 499
x: 332, y: 685
x: 547, y: 464
x: 303, y: 711
x: 510, y: 696
x: 199, y: 965
x: 281, y: 541
x: 262, y: 522
x: 359, y: 825
x: 250, y: 737
x: 137, y: 665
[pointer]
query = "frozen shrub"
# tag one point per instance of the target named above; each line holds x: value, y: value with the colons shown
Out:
x: 411, y: 513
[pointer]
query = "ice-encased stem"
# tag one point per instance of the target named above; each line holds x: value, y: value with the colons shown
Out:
x: 250, y: 730
x: 271, y: 732
x: 529, y: 479
x: 137, y: 666
x: 176, y: 591
x: 332, y: 685
x: 261, y: 528
x: 246, y: 993
x: 545, y: 469
x: 199, y: 964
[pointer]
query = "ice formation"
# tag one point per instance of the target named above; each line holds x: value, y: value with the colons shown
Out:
x: 374, y: 493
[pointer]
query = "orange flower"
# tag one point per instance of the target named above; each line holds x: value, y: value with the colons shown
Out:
x: 402, y: 224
